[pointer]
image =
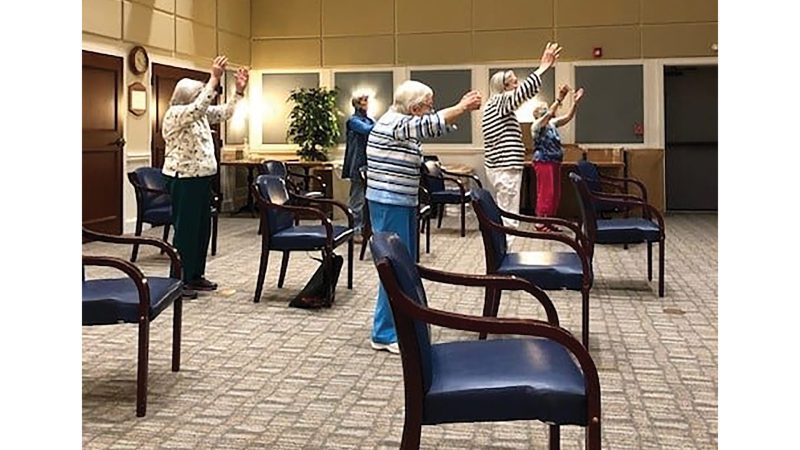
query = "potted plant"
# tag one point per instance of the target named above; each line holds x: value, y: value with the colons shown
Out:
x: 313, y: 124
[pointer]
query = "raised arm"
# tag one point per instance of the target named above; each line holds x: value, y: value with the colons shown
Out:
x: 182, y: 115
x: 361, y: 125
x: 531, y: 84
x: 432, y: 125
x: 224, y: 112
x: 563, y: 120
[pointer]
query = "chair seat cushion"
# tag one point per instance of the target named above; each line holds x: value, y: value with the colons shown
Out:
x: 307, y: 237
x: 115, y: 300
x: 504, y: 379
x: 449, y: 196
x: 158, y: 216
x: 623, y: 231
x: 548, y: 270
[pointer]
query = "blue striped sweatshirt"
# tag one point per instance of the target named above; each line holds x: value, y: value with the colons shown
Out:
x: 394, y: 156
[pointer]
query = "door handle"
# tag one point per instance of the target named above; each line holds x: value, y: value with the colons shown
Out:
x: 119, y: 142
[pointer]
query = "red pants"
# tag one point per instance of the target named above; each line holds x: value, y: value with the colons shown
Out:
x: 548, y: 187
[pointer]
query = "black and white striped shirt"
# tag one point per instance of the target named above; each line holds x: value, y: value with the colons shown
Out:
x: 502, y: 135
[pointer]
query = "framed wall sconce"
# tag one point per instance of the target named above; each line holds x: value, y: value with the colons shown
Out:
x: 137, y: 98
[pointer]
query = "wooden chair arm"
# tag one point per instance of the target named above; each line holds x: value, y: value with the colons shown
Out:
x: 346, y: 209
x: 552, y: 221
x: 176, y: 265
x: 498, y: 282
x: 129, y: 269
x: 647, y: 209
x: 464, y: 175
x: 633, y: 181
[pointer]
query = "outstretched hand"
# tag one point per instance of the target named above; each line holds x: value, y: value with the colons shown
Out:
x: 218, y: 66
x: 242, y: 76
x: 471, y: 100
x: 578, y: 95
x: 550, y: 55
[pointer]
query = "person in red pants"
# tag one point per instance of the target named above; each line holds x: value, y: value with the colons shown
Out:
x: 548, y: 154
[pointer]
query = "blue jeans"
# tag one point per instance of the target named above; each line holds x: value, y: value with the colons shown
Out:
x: 356, y: 202
x: 403, y: 221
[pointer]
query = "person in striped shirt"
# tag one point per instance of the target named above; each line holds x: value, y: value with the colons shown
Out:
x: 394, y: 157
x: 504, y: 156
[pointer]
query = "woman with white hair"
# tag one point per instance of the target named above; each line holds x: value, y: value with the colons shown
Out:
x: 394, y: 157
x: 190, y: 164
x: 504, y: 156
x: 548, y: 154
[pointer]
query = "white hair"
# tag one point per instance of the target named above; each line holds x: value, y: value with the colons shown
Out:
x: 186, y: 91
x: 539, y: 108
x: 356, y: 98
x: 409, y: 94
x: 497, y: 84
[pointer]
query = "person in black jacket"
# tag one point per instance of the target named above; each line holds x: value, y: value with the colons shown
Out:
x: 355, y: 157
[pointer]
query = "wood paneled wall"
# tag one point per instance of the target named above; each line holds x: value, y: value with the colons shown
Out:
x: 194, y: 30
x: 323, y: 33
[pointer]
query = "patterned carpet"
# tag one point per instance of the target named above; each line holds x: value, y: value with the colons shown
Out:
x: 268, y: 376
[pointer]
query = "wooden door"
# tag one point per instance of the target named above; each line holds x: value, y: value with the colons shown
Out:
x: 690, y: 121
x: 103, y: 144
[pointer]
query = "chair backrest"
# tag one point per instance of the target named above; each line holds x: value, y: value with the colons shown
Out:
x: 495, y: 245
x: 588, y: 214
x: 151, y: 178
x: 589, y: 173
x: 272, y: 189
x: 386, y: 246
x: 432, y: 175
x: 273, y: 167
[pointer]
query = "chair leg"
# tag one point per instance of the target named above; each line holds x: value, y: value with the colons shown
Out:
x: 555, y: 437
x: 585, y: 319
x: 141, y: 373
x: 137, y: 232
x: 649, y: 261
x: 363, y: 249
x: 440, y: 214
x: 593, y: 436
x: 214, y: 228
x: 165, y: 236
x: 350, y: 264
x: 428, y: 235
x: 463, y: 219
x: 177, y: 319
x: 284, y: 264
x: 412, y: 428
x: 661, y: 268
x: 262, y: 272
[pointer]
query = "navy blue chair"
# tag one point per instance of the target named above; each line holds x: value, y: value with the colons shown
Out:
x: 647, y: 228
x: 154, y: 205
x: 433, y: 178
x: 608, y: 186
x: 549, y: 270
x: 134, y: 298
x: 297, y: 183
x: 278, y: 216
x: 543, y: 373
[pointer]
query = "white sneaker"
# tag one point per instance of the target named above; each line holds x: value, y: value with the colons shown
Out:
x: 391, y: 348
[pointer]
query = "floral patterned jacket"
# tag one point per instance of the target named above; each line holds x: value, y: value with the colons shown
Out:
x: 186, y: 128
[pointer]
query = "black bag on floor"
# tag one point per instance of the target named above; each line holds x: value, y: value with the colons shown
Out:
x: 320, y: 290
